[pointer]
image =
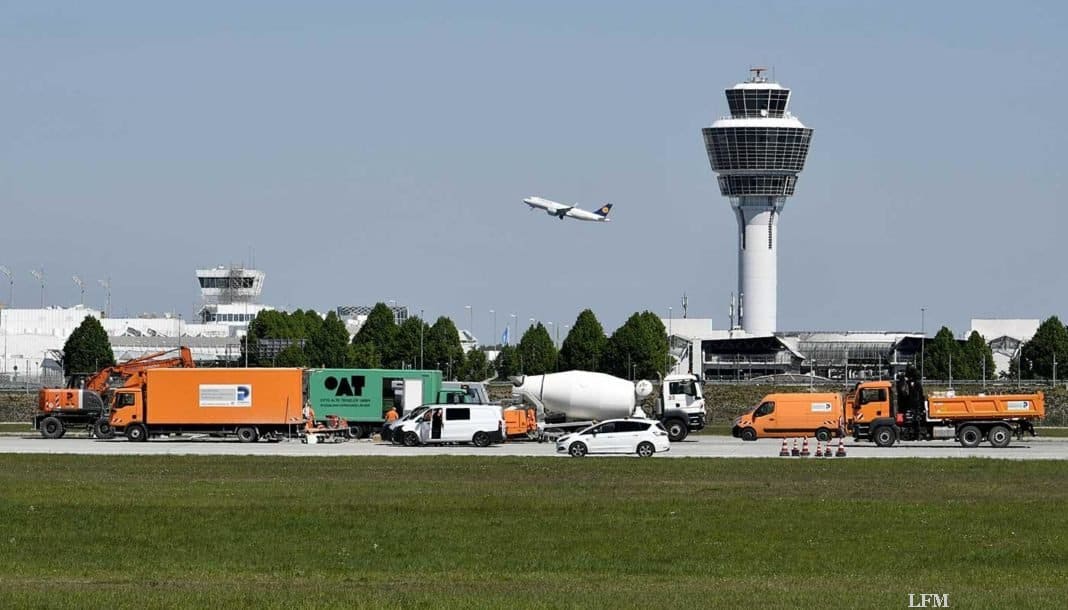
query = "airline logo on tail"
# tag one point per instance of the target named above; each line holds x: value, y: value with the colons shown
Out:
x: 604, y: 210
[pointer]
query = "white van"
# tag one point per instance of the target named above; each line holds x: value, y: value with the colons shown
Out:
x: 478, y: 424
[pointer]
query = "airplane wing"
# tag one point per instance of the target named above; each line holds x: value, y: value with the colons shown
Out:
x: 562, y: 211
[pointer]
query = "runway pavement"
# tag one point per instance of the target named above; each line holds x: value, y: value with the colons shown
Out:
x: 698, y: 446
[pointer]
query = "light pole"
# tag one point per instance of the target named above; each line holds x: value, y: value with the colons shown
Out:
x: 39, y: 274
x: 669, y: 322
x: 515, y: 324
x: 422, y: 324
x: 11, y: 282
x: 923, y: 338
x: 494, y: 314
x: 81, y: 288
x: 106, y: 284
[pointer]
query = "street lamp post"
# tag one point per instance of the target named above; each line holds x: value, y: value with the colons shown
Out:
x: 106, y: 284
x: 515, y: 325
x: 923, y: 338
x: 669, y: 321
x: 470, y: 321
x: 422, y: 324
x: 81, y: 288
x: 494, y: 336
x: 11, y: 282
x: 39, y: 274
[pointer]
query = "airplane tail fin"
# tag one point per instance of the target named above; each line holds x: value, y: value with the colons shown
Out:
x: 604, y: 210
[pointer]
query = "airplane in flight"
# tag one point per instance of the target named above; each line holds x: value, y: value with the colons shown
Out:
x: 560, y: 210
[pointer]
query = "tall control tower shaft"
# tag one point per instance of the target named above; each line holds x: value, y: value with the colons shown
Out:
x: 757, y: 151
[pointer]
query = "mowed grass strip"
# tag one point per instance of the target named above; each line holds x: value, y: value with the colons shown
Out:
x: 432, y: 532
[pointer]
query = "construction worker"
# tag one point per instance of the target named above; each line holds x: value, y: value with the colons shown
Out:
x: 309, y: 416
x: 391, y: 415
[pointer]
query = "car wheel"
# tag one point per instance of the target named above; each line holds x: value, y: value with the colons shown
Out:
x: 884, y: 436
x: 577, y: 449
x: 999, y: 436
x: 646, y: 449
x: 51, y: 427
x: 823, y: 435
x: 247, y: 434
x: 411, y: 439
x: 481, y: 439
x: 136, y: 433
x: 677, y: 430
x: 102, y: 429
x: 969, y: 436
x: 749, y: 434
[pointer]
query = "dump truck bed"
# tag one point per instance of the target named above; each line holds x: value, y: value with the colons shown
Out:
x: 1003, y: 406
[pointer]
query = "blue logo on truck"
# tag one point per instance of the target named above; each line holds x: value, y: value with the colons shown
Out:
x: 243, y: 392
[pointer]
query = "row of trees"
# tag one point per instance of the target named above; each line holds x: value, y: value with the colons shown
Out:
x: 944, y: 357
x: 1045, y: 355
x: 637, y: 349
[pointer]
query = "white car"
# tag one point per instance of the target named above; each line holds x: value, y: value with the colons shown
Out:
x: 642, y: 436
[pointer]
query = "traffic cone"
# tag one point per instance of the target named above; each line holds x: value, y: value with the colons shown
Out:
x: 841, y: 448
x: 804, y: 448
x: 827, y: 450
x: 784, y: 452
x: 819, y: 448
x: 794, y: 452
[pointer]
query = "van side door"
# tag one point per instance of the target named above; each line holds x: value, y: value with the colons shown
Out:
x: 764, y: 418
x: 457, y: 427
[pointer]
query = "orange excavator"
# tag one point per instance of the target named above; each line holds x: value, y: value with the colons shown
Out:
x: 83, y: 402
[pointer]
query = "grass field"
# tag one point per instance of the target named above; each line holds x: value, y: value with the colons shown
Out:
x: 529, y: 532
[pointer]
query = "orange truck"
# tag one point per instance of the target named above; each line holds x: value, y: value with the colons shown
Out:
x: 249, y: 403
x: 821, y: 415
x: 888, y: 411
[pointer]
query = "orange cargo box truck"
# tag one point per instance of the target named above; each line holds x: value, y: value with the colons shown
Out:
x: 248, y: 403
x: 788, y: 415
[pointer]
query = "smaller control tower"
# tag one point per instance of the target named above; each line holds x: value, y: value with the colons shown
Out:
x: 757, y: 151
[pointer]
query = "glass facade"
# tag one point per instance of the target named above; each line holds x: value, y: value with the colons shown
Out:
x: 756, y: 103
x: 757, y: 148
x: 739, y: 186
x: 226, y: 282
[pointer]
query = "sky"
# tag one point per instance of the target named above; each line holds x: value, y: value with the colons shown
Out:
x: 361, y: 152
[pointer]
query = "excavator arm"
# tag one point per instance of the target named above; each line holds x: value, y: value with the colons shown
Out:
x: 101, y: 380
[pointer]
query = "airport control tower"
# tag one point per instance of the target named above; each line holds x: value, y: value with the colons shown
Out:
x: 757, y: 151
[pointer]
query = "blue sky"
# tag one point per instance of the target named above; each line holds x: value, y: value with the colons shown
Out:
x: 376, y: 151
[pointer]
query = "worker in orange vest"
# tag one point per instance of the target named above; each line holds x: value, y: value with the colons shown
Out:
x: 391, y: 415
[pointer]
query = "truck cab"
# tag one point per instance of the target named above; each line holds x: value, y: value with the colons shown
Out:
x: 682, y: 405
x: 126, y: 408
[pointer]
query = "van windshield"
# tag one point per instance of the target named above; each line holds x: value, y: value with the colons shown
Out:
x: 413, y: 413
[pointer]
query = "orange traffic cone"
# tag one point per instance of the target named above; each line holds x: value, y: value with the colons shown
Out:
x: 827, y: 451
x: 784, y: 452
x: 804, y: 448
x: 841, y: 448
x: 794, y: 452
x: 819, y: 448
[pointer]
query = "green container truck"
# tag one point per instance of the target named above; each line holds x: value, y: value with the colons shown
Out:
x: 362, y: 396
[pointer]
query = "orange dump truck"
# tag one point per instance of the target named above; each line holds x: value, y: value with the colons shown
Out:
x: 249, y: 403
x: 888, y: 411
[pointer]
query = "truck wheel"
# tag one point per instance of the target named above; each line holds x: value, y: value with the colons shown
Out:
x: 136, y: 433
x: 677, y: 430
x: 577, y: 449
x: 749, y: 434
x: 51, y: 427
x: 999, y: 436
x: 481, y: 439
x: 356, y: 431
x: 247, y: 434
x: 823, y: 434
x: 969, y: 436
x: 884, y: 436
x: 411, y: 439
x: 102, y: 429
x: 646, y: 449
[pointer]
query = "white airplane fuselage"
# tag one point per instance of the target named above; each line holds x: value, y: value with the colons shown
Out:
x: 560, y: 210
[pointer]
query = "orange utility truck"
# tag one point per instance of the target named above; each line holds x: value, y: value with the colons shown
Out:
x: 821, y: 415
x: 249, y: 403
x: 888, y: 411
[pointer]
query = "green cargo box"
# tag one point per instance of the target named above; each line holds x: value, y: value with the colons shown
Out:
x: 364, y: 395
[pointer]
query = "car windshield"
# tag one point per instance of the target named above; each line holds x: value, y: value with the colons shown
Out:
x: 414, y: 413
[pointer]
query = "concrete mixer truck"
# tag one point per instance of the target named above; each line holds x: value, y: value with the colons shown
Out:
x: 573, y: 399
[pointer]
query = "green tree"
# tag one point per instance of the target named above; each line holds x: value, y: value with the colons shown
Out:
x: 638, y: 349
x: 937, y: 355
x: 87, y: 350
x: 507, y: 363
x: 442, y: 347
x: 364, y: 356
x: 1049, y: 343
x: 537, y: 351
x: 292, y: 355
x: 328, y: 344
x: 977, y: 359
x: 379, y: 331
x: 584, y: 346
x: 406, y: 343
x: 476, y: 366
